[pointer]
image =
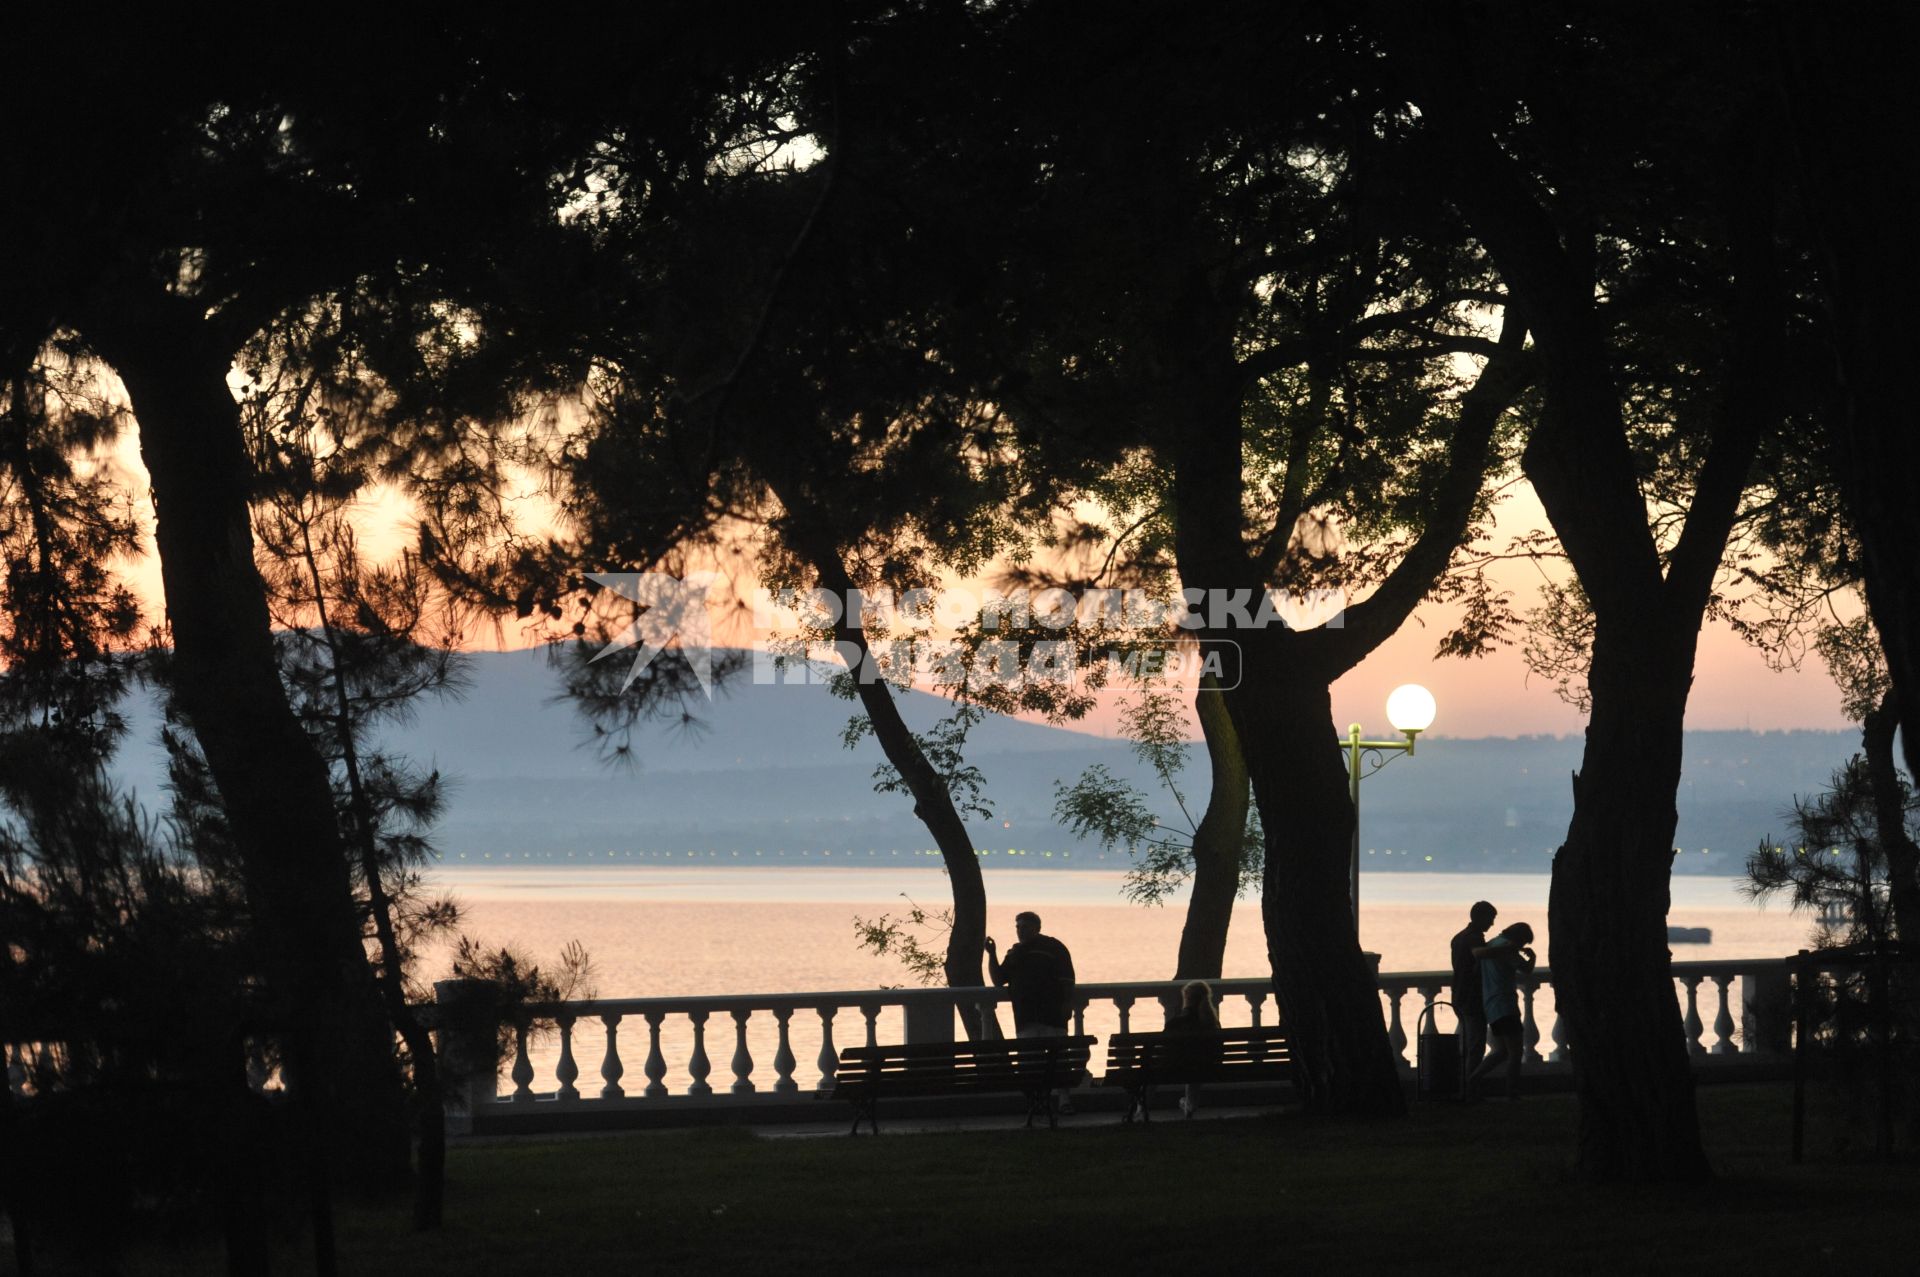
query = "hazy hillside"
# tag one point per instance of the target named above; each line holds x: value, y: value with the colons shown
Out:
x: 766, y: 774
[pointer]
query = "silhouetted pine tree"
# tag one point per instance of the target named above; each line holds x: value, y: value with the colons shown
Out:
x: 127, y: 985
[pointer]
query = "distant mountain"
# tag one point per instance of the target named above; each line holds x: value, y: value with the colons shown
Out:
x: 764, y: 772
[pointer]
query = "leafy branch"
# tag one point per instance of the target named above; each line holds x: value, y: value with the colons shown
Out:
x: 918, y: 940
x: 1120, y: 817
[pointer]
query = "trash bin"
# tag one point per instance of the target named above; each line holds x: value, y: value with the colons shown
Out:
x: 1436, y: 1058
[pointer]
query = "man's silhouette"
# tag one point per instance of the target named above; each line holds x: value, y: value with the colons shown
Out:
x: 1039, y: 971
x: 1467, y: 1003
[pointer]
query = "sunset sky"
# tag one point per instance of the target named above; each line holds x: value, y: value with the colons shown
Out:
x: 1490, y: 696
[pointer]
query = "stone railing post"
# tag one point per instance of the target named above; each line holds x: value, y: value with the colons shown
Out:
x: 568, y: 1070
x: 742, y: 1058
x: 828, y: 1060
x: 655, y: 1068
x: 988, y: 1009
x: 1691, y: 1024
x: 1723, y: 1018
x: 1559, y: 1053
x: 469, y: 1041
x: 1529, y: 1022
x: 783, y: 1059
x: 1766, y: 1010
x: 1169, y: 1006
x: 1396, y: 1030
x: 698, y: 1065
x: 612, y: 1067
x: 928, y: 1020
x: 522, y: 1071
x: 1256, y: 1001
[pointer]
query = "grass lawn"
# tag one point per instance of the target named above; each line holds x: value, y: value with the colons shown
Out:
x: 1450, y: 1189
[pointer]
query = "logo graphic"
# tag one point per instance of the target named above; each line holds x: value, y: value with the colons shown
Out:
x: 671, y: 609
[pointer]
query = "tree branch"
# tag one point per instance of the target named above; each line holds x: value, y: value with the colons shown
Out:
x: 1370, y: 622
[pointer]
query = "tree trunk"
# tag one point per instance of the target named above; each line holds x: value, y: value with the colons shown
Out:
x: 1607, y: 907
x: 243, y: 1168
x: 1217, y: 843
x: 1282, y: 713
x: 1886, y: 516
x: 1859, y: 187
x: 429, y: 1095
x: 1879, y: 461
x: 271, y: 779
x: 932, y: 801
x: 1607, y: 913
x: 1327, y: 988
x: 12, y: 1171
x: 1877, y: 455
x: 1890, y: 818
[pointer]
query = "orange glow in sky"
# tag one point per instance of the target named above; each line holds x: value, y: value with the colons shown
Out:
x: 1490, y: 696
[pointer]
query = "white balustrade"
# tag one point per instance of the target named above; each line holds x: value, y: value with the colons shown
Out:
x: 547, y: 1040
x: 777, y: 1026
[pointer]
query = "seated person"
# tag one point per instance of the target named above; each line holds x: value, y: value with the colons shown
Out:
x: 1196, y: 1015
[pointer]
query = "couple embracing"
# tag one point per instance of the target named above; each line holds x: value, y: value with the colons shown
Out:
x: 1486, y: 997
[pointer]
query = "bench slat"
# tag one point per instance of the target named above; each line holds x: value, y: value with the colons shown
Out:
x: 1137, y: 1060
x: 931, y: 1068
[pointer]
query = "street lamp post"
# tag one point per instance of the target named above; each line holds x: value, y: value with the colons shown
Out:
x: 1410, y: 708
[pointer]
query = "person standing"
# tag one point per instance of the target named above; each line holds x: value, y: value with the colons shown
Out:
x: 1467, y: 1003
x: 1502, y: 962
x: 1038, y: 970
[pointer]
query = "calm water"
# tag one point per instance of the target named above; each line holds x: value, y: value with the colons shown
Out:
x: 658, y: 931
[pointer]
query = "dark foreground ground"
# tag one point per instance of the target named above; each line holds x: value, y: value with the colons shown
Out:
x: 1483, y: 1188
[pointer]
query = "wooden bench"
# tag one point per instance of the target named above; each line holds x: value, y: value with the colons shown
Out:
x: 1033, y: 1067
x: 1141, y: 1061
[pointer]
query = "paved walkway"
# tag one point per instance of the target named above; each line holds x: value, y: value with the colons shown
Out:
x: 997, y: 1122
x: 838, y: 1126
